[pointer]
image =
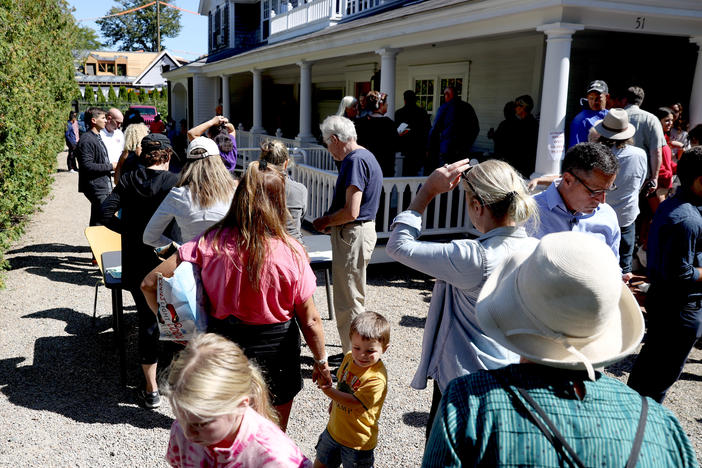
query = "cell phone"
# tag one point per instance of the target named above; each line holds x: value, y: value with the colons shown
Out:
x: 166, y: 251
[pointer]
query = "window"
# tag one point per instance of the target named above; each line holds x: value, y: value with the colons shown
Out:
x: 111, y: 68
x: 424, y: 89
x: 429, y: 82
x: 121, y: 69
x: 89, y: 68
x: 265, y: 19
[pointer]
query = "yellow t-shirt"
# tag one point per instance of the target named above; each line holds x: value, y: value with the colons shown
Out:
x: 358, y: 429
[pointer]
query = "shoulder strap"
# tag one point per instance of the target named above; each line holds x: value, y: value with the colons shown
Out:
x: 634, y: 455
x: 551, y: 433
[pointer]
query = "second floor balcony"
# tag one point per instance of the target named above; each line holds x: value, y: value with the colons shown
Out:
x: 313, y: 15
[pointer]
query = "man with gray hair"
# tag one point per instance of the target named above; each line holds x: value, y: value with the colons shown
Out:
x: 350, y: 220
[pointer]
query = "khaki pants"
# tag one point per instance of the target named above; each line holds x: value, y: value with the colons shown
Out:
x: 352, y: 246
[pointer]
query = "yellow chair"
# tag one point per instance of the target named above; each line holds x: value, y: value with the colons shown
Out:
x: 101, y: 240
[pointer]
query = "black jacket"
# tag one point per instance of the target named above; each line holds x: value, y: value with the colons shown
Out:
x: 138, y: 194
x: 94, y: 167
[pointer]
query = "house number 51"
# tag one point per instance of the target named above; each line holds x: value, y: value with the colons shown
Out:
x: 640, y: 22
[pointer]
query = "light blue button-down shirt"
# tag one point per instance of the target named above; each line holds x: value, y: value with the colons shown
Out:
x: 453, y: 343
x: 555, y: 217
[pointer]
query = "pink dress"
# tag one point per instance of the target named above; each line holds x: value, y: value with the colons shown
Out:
x: 259, y: 444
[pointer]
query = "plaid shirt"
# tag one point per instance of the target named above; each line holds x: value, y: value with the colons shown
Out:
x: 477, y: 423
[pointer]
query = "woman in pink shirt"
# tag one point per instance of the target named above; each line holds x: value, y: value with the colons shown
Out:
x: 258, y: 281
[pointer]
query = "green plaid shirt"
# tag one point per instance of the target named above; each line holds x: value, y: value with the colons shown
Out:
x: 477, y: 423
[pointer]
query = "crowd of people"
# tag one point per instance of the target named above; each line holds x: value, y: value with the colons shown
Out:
x: 521, y: 322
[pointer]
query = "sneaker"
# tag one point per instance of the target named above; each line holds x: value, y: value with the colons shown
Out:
x: 149, y: 399
x: 73, y: 170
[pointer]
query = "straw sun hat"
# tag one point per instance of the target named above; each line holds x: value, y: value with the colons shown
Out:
x: 562, y: 305
x: 615, y: 125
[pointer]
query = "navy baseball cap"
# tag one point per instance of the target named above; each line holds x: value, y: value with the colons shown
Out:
x: 598, y: 86
x: 155, y: 141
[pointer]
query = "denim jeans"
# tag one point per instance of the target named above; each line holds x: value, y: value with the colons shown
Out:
x: 626, y: 247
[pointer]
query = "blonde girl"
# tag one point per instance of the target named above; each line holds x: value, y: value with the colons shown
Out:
x: 498, y: 205
x: 223, y: 412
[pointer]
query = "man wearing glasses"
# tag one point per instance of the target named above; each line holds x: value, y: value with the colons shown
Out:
x: 350, y: 220
x: 576, y: 201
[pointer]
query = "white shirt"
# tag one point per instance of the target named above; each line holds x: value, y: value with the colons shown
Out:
x: 114, y: 142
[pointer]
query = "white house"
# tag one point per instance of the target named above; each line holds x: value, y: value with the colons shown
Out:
x: 284, y: 66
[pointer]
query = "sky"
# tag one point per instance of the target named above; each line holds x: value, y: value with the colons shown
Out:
x: 190, y: 44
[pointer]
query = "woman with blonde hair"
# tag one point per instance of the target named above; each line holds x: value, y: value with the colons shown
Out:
x: 259, y: 284
x: 201, y: 197
x: 275, y: 152
x: 498, y: 205
x: 132, y: 147
x: 221, y: 402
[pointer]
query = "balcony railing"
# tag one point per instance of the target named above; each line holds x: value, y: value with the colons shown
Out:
x: 318, y: 14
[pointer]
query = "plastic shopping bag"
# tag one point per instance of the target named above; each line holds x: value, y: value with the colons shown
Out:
x: 182, y: 311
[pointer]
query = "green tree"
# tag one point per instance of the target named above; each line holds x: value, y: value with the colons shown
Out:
x: 36, y: 73
x: 86, y: 38
x: 131, y: 96
x: 123, y: 93
x: 142, y: 96
x: 100, y: 96
x: 137, y: 30
x: 88, y: 94
x: 111, y: 95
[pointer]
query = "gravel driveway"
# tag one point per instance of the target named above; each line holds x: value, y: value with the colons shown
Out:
x: 61, y: 403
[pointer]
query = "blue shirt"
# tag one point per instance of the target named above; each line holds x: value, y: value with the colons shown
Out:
x: 556, y: 217
x: 675, y: 244
x: 477, y: 423
x: 360, y: 169
x: 582, y: 123
x: 454, y: 343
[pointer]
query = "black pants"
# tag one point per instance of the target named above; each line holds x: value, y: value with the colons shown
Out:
x: 148, y: 329
x: 435, y: 401
x: 71, y: 163
x: 96, y: 200
x: 674, y: 325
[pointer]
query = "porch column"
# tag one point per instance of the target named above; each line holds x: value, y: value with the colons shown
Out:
x: 305, y: 135
x: 387, y: 76
x: 225, y: 96
x: 551, y: 143
x: 696, y: 95
x: 257, y: 103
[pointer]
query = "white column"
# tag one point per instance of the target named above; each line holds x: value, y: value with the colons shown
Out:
x: 257, y: 103
x: 225, y: 96
x: 696, y: 95
x: 387, y: 76
x: 305, y: 135
x: 551, y: 146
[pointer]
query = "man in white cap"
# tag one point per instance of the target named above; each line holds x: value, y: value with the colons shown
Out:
x: 616, y: 132
x: 564, y: 309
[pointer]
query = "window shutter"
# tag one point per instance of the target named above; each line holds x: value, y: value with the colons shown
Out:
x: 209, y: 31
x: 225, y: 26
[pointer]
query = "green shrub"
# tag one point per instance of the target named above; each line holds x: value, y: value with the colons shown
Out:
x: 36, y: 86
x: 100, y: 97
x: 88, y: 94
x: 123, y: 93
x: 111, y: 95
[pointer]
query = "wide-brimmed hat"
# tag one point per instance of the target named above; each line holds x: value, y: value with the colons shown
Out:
x: 155, y: 141
x: 204, y: 143
x: 615, y: 125
x: 563, y: 304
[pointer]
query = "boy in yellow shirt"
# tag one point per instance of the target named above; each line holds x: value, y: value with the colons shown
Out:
x: 352, y: 432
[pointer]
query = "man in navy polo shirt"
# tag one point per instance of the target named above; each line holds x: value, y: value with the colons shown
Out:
x: 350, y: 220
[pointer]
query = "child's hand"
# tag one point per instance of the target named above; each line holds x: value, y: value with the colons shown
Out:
x: 322, y: 376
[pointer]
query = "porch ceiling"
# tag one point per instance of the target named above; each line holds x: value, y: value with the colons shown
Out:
x: 437, y: 21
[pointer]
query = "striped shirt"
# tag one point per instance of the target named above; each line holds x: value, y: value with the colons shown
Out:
x: 478, y: 425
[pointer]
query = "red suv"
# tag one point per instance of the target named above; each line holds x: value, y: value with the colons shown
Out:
x: 147, y: 112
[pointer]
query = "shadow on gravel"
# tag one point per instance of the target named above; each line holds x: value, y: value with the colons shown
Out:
x: 60, y: 268
x: 76, y: 376
x: 416, y: 418
x: 413, y: 322
x: 692, y: 377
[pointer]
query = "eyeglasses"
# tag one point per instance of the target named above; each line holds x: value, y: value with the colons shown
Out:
x: 594, y: 193
x: 464, y: 176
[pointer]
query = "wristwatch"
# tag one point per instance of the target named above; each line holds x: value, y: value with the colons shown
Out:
x: 321, y: 362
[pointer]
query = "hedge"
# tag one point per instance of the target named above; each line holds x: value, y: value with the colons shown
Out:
x: 36, y: 87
